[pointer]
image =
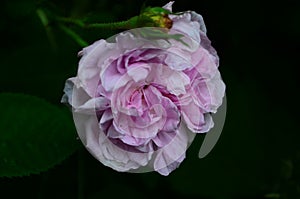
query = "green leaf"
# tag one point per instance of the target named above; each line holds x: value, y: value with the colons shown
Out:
x: 34, y: 135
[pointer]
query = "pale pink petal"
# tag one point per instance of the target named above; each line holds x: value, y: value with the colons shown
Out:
x: 93, y: 105
x: 216, y: 88
x: 184, y: 25
x: 197, y: 120
x: 206, y: 65
x: 91, y: 64
x: 168, y: 6
x: 170, y: 156
x: 175, y: 81
x: 138, y: 72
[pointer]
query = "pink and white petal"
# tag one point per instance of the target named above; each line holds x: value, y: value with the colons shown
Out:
x: 184, y: 25
x: 216, y: 88
x: 169, y: 157
x: 113, y: 133
x: 93, y: 105
x: 198, y: 18
x: 138, y: 72
x: 133, y: 141
x: 89, y: 48
x: 68, y: 91
x: 106, y: 116
x: 178, y: 59
x: 119, y: 159
x: 165, y: 171
x: 206, y: 66
x: 195, y: 118
x: 197, y: 56
x: 201, y: 94
x: 168, y: 6
x: 208, y: 124
x: 125, y: 124
x: 163, y: 138
x: 133, y: 39
x: 172, y: 115
x: 91, y: 63
x: 106, y: 120
x: 175, y: 81
x: 152, y: 96
x: 109, y: 77
x: 206, y: 43
x: 80, y: 100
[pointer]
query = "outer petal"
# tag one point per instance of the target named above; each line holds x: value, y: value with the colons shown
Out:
x: 83, y: 103
x: 184, y: 25
x: 198, y: 18
x: 204, y: 63
x: 216, y: 88
x: 91, y: 64
x: 68, y: 90
x: 170, y: 156
x: 196, y: 119
x: 115, y: 157
x: 168, y: 6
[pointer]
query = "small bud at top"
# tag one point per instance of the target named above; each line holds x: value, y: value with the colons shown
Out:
x: 155, y: 17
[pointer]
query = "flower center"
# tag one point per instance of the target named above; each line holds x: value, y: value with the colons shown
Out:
x: 137, y: 100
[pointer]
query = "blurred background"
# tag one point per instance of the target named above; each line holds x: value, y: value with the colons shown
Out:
x: 258, y: 153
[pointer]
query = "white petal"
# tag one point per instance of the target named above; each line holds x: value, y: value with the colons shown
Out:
x: 138, y: 73
x: 168, y: 6
x: 169, y: 157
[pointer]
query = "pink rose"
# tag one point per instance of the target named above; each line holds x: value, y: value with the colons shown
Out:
x: 139, y: 98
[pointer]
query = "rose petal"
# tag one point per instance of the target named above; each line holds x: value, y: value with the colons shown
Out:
x: 184, y: 25
x: 170, y: 156
x: 163, y: 138
x: 91, y: 63
x: 138, y: 72
x: 93, y: 105
x: 216, y: 88
x: 206, y: 65
x: 168, y: 6
x: 175, y: 81
x: 196, y: 118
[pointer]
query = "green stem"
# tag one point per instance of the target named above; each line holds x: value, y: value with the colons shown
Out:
x: 76, y: 22
x: 131, y: 23
x: 44, y: 19
x: 73, y: 35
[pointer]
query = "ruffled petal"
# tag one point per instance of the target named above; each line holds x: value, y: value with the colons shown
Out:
x: 170, y: 156
x: 168, y: 6
x: 197, y: 120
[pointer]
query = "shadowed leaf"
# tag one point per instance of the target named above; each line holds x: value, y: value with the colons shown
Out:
x: 34, y: 135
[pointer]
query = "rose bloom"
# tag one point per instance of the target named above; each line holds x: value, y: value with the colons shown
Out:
x: 139, y: 98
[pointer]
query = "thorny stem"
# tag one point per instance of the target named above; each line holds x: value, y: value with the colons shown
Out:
x: 131, y: 23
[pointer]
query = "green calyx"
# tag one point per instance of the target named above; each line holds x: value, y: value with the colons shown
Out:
x: 155, y: 17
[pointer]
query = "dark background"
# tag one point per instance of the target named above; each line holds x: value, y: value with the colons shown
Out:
x: 258, y: 154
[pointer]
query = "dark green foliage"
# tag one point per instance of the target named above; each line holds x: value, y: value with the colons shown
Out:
x: 34, y: 135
